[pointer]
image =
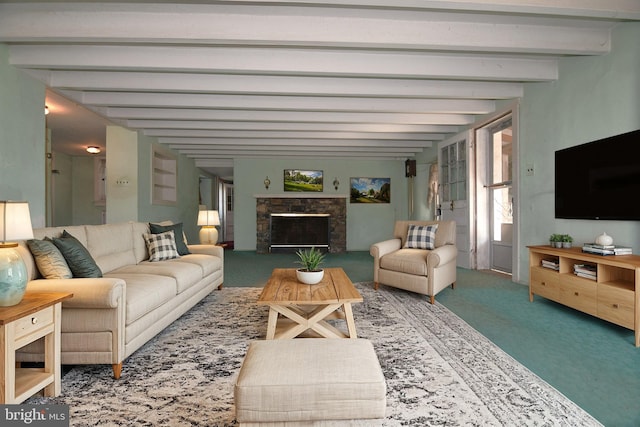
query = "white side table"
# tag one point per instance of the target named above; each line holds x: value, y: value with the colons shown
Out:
x: 38, y: 315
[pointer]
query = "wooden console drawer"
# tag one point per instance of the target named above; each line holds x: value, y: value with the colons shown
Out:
x: 616, y: 305
x: 545, y: 282
x: 33, y: 322
x: 579, y: 293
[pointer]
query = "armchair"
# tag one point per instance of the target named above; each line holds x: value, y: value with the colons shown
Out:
x: 408, y: 266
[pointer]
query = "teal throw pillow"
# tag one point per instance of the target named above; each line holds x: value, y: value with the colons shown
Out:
x: 177, y: 232
x: 77, y: 256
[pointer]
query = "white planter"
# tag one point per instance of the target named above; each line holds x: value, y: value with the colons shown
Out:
x: 310, y: 277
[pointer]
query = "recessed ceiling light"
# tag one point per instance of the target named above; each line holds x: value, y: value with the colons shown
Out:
x: 93, y: 149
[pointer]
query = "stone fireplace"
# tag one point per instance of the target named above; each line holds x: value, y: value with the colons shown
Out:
x: 333, y: 206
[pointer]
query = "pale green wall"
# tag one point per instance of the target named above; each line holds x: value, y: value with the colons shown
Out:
x: 22, y: 139
x: 594, y: 97
x: 85, y: 210
x: 122, y: 164
x: 61, y: 189
x: 366, y: 224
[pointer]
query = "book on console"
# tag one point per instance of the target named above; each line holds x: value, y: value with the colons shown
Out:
x: 598, y: 251
x: 597, y: 246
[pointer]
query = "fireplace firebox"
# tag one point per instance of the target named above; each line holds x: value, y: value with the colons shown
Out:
x: 292, y: 231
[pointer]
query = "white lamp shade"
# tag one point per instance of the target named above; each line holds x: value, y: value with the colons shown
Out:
x: 208, y: 218
x: 15, y: 221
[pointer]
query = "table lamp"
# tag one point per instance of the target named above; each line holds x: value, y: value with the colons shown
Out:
x: 208, y: 233
x: 15, y: 224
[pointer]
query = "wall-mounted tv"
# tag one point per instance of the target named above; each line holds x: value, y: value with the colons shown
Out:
x: 599, y: 179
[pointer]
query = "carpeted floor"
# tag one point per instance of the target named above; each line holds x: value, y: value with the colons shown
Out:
x: 439, y: 370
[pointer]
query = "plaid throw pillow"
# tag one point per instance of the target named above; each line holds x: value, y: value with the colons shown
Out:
x: 161, y: 246
x: 421, y: 236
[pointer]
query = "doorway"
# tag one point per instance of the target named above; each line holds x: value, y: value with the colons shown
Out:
x: 496, y: 143
x: 226, y: 204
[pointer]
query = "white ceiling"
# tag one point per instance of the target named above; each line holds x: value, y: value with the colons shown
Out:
x: 218, y: 80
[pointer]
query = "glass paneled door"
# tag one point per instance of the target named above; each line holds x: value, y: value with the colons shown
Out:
x: 453, y: 158
x: 501, y: 195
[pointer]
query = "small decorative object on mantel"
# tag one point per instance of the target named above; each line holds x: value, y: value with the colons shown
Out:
x: 566, y: 240
x: 310, y: 273
x: 604, y: 240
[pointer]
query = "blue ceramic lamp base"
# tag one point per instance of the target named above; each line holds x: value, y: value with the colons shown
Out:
x: 13, y: 277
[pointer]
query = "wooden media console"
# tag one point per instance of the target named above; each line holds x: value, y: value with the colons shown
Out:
x: 612, y: 295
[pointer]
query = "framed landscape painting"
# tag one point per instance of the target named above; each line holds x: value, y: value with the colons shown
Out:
x: 302, y: 180
x: 370, y: 190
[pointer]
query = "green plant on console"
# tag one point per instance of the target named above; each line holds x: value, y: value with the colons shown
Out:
x: 566, y: 238
x: 311, y: 259
x: 555, y: 238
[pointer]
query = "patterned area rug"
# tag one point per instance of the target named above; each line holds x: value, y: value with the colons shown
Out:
x: 439, y: 370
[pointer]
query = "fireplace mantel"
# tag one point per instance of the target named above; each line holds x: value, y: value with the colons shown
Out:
x: 295, y: 195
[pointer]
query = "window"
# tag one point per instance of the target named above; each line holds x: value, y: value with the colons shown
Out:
x: 454, y: 171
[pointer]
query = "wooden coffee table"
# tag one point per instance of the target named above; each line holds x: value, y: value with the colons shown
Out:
x: 307, y: 307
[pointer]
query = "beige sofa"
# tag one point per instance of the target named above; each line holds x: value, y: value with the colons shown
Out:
x: 418, y: 270
x: 110, y: 317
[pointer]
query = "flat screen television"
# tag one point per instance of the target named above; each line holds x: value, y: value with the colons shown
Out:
x: 599, y: 179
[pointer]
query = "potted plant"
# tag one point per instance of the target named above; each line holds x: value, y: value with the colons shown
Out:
x: 555, y: 240
x: 310, y: 273
x: 566, y: 241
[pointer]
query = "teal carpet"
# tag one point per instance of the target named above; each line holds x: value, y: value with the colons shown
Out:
x: 592, y: 362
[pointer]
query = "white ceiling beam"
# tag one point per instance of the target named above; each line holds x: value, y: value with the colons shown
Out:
x: 292, y: 135
x: 294, y: 126
x: 306, y: 103
x: 276, y: 85
x: 286, y: 116
x: 181, y: 141
x: 284, y: 62
x: 286, y: 26
x: 609, y: 9
x: 307, y: 154
x: 253, y: 148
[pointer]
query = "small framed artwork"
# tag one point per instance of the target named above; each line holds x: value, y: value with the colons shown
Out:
x: 302, y: 180
x: 370, y: 190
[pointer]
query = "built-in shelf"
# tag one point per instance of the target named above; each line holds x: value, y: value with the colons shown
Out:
x: 164, y: 177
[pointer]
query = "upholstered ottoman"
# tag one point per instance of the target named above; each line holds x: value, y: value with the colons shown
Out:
x: 310, y: 382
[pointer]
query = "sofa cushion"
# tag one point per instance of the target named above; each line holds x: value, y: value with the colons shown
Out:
x: 208, y: 263
x: 145, y: 293
x: 177, y: 233
x: 184, y: 274
x: 411, y: 261
x: 161, y: 246
x: 49, y: 259
x: 111, y: 245
x: 77, y: 256
x: 421, y: 236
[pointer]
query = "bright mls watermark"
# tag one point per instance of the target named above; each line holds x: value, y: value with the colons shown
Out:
x: 34, y: 415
